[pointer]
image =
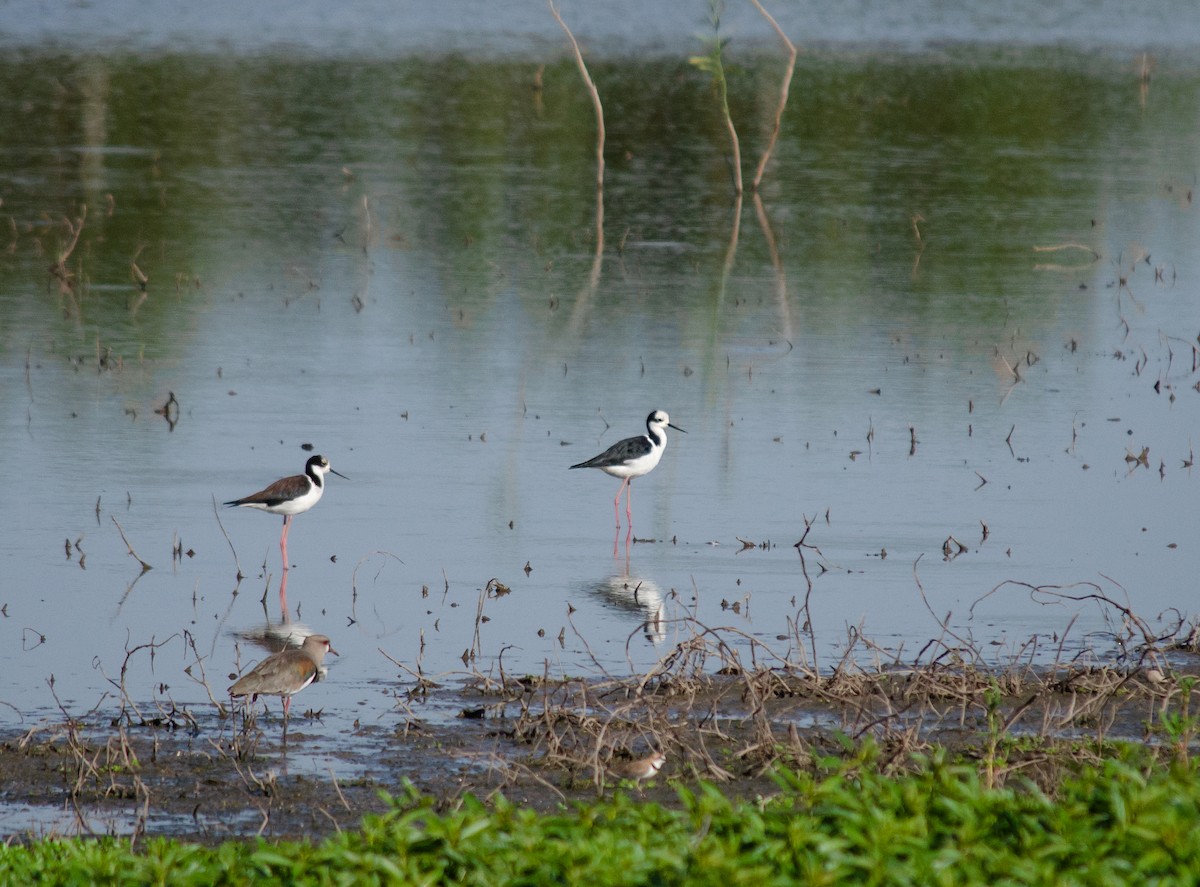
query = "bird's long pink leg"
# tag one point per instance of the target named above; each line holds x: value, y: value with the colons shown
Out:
x: 617, y: 503
x: 287, y: 521
x: 283, y: 597
x: 629, y: 502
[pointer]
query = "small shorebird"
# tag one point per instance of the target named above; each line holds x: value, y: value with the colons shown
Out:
x: 637, y: 770
x: 286, y: 673
x: 291, y: 495
x: 632, y: 458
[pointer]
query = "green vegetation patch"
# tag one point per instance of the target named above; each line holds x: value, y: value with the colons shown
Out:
x: 1126, y: 819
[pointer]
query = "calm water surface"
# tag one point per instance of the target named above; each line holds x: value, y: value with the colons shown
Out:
x: 966, y: 303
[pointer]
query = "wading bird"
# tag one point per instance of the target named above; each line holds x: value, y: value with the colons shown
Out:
x: 632, y: 458
x: 639, y: 769
x: 286, y: 673
x: 291, y: 495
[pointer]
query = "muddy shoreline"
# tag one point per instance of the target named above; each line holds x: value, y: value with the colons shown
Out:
x: 548, y: 745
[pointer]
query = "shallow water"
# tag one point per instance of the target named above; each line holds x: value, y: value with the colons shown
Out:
x: 392, y: 258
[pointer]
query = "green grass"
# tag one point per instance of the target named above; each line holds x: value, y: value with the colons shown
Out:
x: 1129, y: 820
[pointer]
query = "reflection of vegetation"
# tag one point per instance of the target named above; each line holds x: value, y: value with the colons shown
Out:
x: 204, y: 167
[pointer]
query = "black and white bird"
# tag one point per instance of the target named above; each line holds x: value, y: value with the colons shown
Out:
x: 291, y: 495
x: 632, y: 458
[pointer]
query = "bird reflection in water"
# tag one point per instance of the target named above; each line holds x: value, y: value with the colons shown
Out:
x: 638, y: 597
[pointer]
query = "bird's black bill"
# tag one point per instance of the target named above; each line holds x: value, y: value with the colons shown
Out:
x: 676, y: 427
x: 339, y: 474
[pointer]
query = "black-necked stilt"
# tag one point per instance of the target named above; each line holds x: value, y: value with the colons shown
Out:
x: 632, y: 458
x: 291, y: 495
x: 285, y: 674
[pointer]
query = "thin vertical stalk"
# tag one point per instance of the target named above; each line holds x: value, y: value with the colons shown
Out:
x: 735, y: 145
x: 592, y: 91
x: 783, y: 93
x: 713, y: 64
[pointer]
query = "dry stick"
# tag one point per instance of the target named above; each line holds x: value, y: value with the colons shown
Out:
x: 476, y: 642
x: 514, y: 767
x: 145, y: 566
x: 126, y: 699
x: 800, y: 546
x: 83, y: 767
x: 754, y: 694
x: 423, y: 683
x: 943, y: 623
x: 329, y: 815
x: 338, y: 789
x: 591, y: 87
x: 1060, y: 246
x: 783, y: 94
x: 203, y: 679
x: 1149, y: 638
x: 598, y: 255
x: 588, y: 647
x: 59, y: 269
x: 706, y: 634
x: 140, y: 280
x: 238, y: 563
